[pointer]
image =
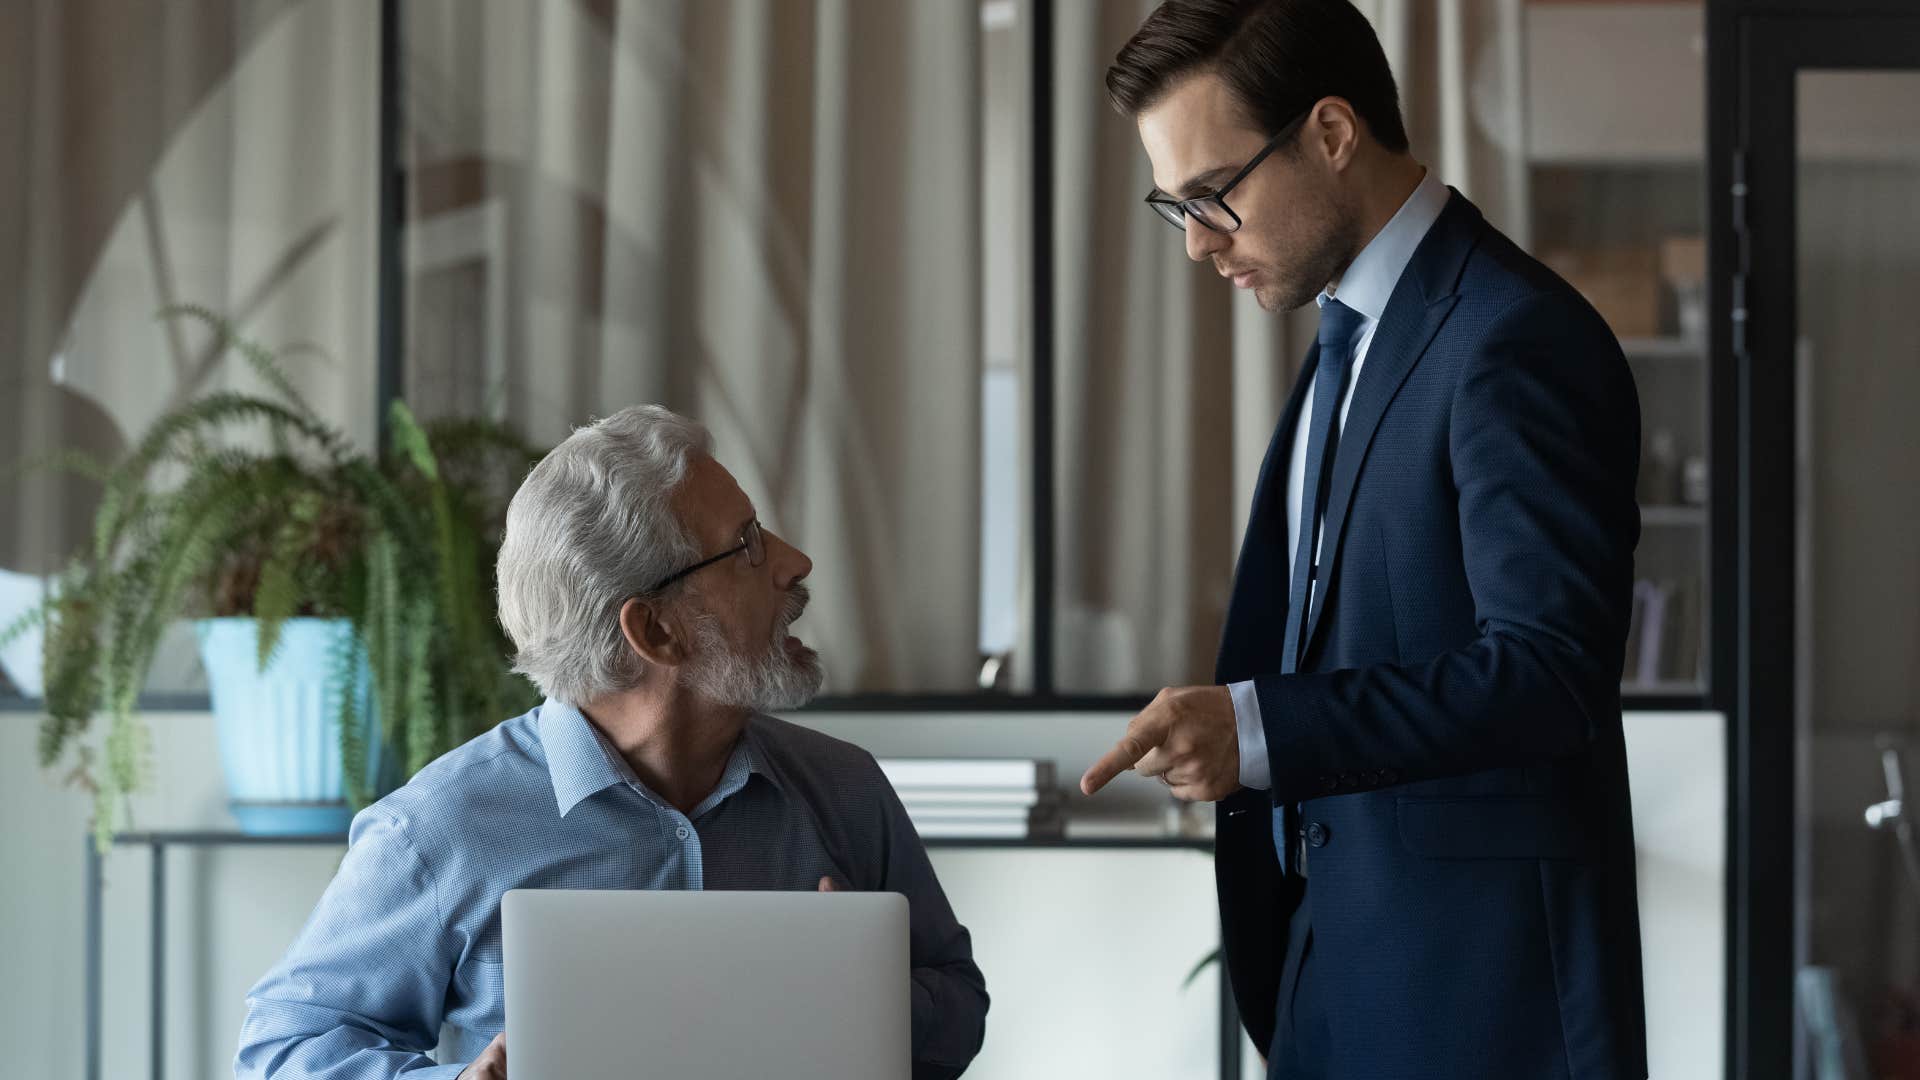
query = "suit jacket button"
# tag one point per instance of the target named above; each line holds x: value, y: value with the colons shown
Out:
x: 1317, y: 835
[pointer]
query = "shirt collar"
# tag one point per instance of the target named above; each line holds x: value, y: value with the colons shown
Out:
x: 581, y: 762
x: 1369, y: 283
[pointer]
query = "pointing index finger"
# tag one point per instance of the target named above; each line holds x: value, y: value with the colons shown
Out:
x: 1142, y: 736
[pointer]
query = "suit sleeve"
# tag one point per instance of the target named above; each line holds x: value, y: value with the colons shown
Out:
x: 1544, y: 448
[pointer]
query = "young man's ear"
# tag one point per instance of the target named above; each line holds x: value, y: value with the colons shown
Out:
x: 658, y: 637
x: 1336, y: 127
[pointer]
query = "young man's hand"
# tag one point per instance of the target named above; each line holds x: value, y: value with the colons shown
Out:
x: 1187, y: 738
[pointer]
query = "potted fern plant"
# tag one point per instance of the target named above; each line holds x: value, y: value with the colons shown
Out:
x: 344, y: 600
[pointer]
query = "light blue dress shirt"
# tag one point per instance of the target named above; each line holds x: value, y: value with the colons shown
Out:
x: 403, y: 950
x: 1366, y: 287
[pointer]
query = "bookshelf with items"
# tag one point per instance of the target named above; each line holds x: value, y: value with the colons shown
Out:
x: 1647, y: 281
x: 1616, y: 179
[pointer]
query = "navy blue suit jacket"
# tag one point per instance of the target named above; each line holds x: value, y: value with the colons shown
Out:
x: 1454, y: 728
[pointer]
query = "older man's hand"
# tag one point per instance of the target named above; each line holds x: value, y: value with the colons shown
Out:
x: 491, y: 1064
x: 1187, y: 738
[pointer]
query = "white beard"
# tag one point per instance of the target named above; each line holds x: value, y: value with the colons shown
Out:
x: 773, y: 681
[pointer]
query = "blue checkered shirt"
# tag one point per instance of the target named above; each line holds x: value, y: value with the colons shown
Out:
x: 403, y: 950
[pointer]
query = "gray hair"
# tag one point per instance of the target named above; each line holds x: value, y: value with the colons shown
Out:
x: 592, y: 526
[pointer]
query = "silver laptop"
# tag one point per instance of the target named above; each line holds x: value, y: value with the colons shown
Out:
x: 634, y: 985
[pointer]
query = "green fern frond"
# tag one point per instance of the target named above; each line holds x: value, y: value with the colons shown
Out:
x: 410, y: 440
x: 462, y: 438
x: 392, y: 512
x: 344, y: 676
x: 424, y: 738
x: 129, y: 489
x: 128, y: 754
x: 106, y: 814
x: 220, y: 411
x: 275, y: 599
x: 277, y: 596
x: 304, y: 348
x: 458, y: 592
x: 384, y: 635
x: 64, y: 460
x: 25, y: 621
x: 263, y: 361
x: 70, y: 660
x: 125, y: 606
x: 204, y: 517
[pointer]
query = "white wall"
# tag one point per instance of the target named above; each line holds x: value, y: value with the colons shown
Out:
x: 1084, y: 951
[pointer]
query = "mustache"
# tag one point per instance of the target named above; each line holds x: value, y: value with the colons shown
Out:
x: 798, y: 598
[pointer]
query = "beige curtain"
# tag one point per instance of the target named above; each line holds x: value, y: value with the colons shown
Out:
x: 1170, y: 383
x: 1461, y: 66
x: 218, y: 153
x: 1143, y: 355
x: 763, y: 213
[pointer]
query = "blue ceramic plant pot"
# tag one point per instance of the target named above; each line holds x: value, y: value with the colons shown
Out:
x: 279, y: 728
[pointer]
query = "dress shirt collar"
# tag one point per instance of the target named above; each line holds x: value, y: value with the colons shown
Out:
x: 581, y: 762
x: 1369, y: 282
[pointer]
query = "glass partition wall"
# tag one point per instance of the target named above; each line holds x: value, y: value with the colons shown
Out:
x: 730, y: 208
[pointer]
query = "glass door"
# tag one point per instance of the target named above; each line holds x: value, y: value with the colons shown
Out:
x: 1830, y: 369
x: 1857, y: 358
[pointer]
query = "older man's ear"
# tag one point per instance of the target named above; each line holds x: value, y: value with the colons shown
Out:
x: 658, y: 637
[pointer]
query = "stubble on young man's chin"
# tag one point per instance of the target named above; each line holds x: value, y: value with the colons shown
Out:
x: 1274, y: 300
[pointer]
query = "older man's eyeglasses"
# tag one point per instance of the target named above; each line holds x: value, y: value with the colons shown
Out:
x: 752, y: 541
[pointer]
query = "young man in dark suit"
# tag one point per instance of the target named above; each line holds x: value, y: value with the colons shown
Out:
x: 1425, y: 855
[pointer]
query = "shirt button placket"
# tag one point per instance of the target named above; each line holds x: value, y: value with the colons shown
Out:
x: 690, y: 852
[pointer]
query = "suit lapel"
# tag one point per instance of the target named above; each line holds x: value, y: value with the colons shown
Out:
x: 1254, y: 594
x: 1421, y: 301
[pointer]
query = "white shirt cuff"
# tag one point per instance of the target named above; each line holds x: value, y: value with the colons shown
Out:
x: 1254, y: 772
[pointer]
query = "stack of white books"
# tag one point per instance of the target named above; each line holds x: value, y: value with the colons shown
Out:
x: 978, y: 798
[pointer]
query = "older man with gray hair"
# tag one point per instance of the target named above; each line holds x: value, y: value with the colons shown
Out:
x: 654, y: 610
